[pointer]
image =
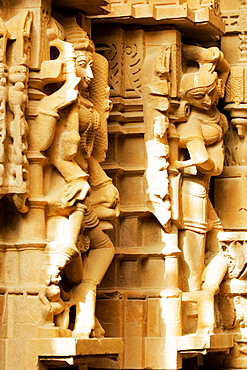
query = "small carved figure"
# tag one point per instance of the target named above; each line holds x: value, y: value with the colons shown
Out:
x: 14, y: 72
x: 3, y: 100
x: 78, y: 251
x: 18, y: 125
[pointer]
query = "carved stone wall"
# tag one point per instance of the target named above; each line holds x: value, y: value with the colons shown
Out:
x: 170, y: 269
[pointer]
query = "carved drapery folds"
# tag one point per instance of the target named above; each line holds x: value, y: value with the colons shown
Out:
x: 161, y: 110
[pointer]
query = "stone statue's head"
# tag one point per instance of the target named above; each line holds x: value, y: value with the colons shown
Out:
x: 201, y: 89
x: 84, y: 49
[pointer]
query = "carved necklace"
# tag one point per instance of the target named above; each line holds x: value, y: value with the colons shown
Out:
x: 213, y: 120
x: 88, y: 135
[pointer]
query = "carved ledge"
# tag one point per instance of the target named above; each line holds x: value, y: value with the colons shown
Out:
x: 76, y: 351
x: 89, y: 8
x: 205, y: 343
x: 187, y: 345
x: 182, y: 16
x: 24, y: 245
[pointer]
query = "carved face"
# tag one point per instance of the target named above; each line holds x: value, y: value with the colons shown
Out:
x: 84, y: 63
x: 203, y: 97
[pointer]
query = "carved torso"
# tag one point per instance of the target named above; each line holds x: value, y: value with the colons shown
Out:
x: 200, y: 126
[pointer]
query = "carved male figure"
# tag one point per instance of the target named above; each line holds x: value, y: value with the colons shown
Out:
x: 73, y: 227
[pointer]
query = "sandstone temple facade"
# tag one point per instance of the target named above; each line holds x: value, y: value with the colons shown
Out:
x: 123, y: 184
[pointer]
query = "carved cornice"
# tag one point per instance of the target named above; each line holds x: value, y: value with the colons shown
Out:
x: 185, y: 16
x: 92, y: 7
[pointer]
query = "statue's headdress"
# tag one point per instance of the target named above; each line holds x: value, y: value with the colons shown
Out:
x: 191, y: 81
x: 76, y: 35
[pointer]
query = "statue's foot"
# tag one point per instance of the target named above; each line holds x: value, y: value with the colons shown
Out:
x: 81, y: 334
x: 62, y: 320
x: 205, y: 331
x: 98, y: 331
x: 85, y: 298
x: 206, y: 319
x: 83, y: 327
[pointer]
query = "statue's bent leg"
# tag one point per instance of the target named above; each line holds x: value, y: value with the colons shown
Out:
x: 62, y: 238
x: 61, y: 249
x: 213, y: 275
x: 84, y: 294
x: 192, y: 245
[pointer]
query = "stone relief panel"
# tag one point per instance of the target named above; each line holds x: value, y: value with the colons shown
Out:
x: 15, y: 62
x: 124, y: 51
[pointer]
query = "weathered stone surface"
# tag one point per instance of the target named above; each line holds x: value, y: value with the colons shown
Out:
x: 163, y: 285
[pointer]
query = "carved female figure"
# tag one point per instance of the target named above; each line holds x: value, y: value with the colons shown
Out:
x: 201, y: 156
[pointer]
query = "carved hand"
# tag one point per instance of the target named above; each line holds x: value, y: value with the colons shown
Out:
x: 104, y: 199
x: 74, y: 190
x: 184, y: 164
x: 109, y: 194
